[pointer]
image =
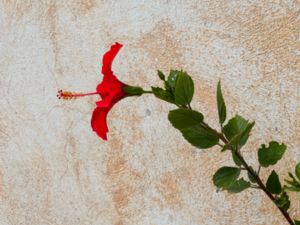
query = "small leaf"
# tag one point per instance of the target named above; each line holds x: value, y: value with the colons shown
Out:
x: 225, y: 177
x: 297, y: 170
x: 200, y: 137
x: 273, y: 183
x: 270, y: 155
x: 189, y: 123
x: 221, y: 104
x: 184, y: 118
x: 184, y: 89
x: 293, y: 187
x: 163, y: 94
x: 239, y: 186
x: 236, y: 160
x: 297, y: 222
x: 294, y: 184
x: 239, y: 138
x: 283, y: 201
x: 161, y: 75
x: 172, y: 78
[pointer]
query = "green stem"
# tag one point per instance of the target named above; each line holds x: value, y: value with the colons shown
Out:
x: 253, y: 173
x: 259, y: 182
x: 259, y: 167
x: 263, y: 187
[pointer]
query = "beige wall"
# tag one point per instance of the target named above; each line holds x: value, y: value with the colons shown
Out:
x: 55, y: 170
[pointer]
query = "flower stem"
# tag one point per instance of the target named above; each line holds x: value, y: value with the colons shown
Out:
x: 260, y: 184
x: 263, y: 187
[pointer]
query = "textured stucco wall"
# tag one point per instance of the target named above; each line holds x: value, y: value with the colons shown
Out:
x: 54, y: 170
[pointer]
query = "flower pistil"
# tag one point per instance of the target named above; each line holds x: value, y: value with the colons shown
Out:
x: 68, y: 95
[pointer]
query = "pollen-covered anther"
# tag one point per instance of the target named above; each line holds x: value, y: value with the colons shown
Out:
x: 67, y: 95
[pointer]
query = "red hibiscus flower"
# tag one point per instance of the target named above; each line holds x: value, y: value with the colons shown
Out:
x: 111, y: 91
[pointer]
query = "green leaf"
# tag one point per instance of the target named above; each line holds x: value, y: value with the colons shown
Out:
x: 270, y: 155
x: 273, y: 183
x: 251, y: 177
x: 163, y: 94
x: 237, y: 130
x: 184, y: 118
x: 172, y: 78
x: 161, y: 75
x: 236, y: 160
x: 294, y: 184
x: 240, y: 138
x: 184, y: 89
x: 297, y: 170
x: 297, y: 222
x: 189, y: 123
x: 200, y: 137
x: 235, y: 126
x: 225, y: 177
x: 239, y: 186
x: 221, y: 104
x: 283, y: 201
x: 293, y: 187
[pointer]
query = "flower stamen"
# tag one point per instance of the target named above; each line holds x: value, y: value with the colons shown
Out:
x: 68, y: 95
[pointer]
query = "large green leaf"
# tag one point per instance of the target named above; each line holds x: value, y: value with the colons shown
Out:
x: 225, y: 177
x: 273, y: 183
x: 200, y: 137
x: 239, y: 186
x: 283, y: 201
x: 184, y: 89
x: 221, y: 104
x: 235, y: 126
x: 270, y: 155
x: 297, y: 170
x: 240, y: 138
x: 189, y: 123
x: 184, y: 118
x: 237, y: 130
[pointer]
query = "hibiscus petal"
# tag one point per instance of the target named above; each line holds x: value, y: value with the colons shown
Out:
x: 108, y: 59
x: 110, y: 90
x: 105, y: 102
x: 98, y: 122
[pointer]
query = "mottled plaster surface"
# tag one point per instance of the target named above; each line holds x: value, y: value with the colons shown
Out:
x: 55, y: 171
